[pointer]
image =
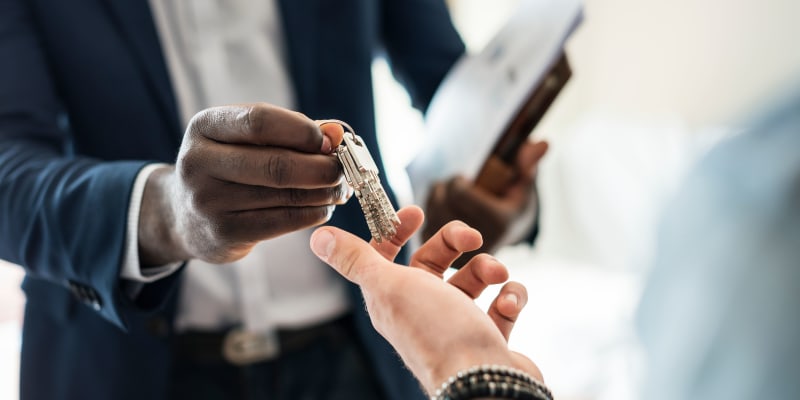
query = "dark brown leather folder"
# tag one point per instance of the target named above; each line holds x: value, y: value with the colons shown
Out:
x: 498, y: 170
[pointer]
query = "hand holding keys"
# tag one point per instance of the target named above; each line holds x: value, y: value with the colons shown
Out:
x: 361, y: 174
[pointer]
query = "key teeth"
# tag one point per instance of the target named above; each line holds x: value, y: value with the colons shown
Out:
x: 361, y: 174
x: 382, y: 222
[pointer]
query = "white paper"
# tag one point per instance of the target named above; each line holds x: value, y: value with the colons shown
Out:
x: 484, y: 91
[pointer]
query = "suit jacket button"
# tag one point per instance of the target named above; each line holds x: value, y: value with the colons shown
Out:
x: 76, y: 291
x: 93, y: 299
x: 85, y: 295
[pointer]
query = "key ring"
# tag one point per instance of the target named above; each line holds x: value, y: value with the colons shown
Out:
x: 344, y: 125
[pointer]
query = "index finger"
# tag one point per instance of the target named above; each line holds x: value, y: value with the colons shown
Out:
x: 259, y: 124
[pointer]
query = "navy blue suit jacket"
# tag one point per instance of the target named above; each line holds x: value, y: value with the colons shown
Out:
x: 86, y: 101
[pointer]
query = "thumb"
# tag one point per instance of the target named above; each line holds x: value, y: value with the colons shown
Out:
x: 333, y: 134
x: 529, y: 156
x: 350, y: 256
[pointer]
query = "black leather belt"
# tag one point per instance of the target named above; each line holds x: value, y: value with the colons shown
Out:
x: 239, y: 347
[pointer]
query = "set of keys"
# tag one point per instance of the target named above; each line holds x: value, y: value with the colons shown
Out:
x: 361, y: 174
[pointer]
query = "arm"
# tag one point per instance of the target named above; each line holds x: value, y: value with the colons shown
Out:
x: 502, y: 219
x: 718, y: 317
x: 422, y: 45
x: 245, y: 173
x: 63, y: 216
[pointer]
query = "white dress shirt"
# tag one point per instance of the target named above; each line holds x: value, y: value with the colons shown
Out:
x: 223, y: 52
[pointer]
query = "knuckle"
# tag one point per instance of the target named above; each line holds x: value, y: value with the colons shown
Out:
x: 339, y: 193
x: 227, y: 232
x: 198, y: 200
x: 199, y: 122
x: 449, y: 243
x: 254, y: 120
x: 311, y: 133
x: 305, y: 216
x: 348, y: 262
x: 207, y: 199
x: 234, y: 161
x: 318, y: 215
x: 277, y: 170
x: 297, y: 196
x: 188, y: 165
x: 332, y: 173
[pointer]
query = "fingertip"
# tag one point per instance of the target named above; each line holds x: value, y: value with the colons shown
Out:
x: 322, y: 243
x: 467, y: 237
x: 518, y: 290
x: 509, y: 306
x: 498, y: 270
x: 411, y: 214
x: 333, y: 134
x: 530, y: 155
x: 513, y: 299
x: 326, y: 147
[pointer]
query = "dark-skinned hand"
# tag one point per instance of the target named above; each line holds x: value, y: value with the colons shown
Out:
x: 493, y: 215
x: 245, y: 173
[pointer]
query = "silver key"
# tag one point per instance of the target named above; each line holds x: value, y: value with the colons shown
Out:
x: 361, y: 174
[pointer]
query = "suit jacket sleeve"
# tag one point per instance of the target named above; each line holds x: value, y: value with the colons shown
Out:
x: 421, y: 44
x: 63, y: 216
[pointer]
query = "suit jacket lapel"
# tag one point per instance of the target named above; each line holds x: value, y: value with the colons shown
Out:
x: 301, y: 24
x: 135, y: 23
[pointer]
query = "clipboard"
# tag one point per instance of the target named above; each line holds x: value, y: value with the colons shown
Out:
x: 498, y: 171
x: 490, y: 101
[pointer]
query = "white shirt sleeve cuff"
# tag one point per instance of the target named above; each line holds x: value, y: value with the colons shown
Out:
x: 523, y: 224
x: 131, y: 269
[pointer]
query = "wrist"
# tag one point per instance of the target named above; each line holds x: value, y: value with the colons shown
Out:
x: 159, y: 240
x: 460, y: 361
x: 491, y: 382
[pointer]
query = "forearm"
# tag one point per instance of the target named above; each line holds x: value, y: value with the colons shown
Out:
x: 63, y: 218
x: 486, y: 382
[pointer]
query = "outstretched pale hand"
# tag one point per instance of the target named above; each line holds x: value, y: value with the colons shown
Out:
x: 434, y: 325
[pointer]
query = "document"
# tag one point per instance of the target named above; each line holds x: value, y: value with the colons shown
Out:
x: 506, y: 86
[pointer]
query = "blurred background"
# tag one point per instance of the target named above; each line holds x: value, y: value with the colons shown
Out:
x: 655, y: 84
x: 651, y: 83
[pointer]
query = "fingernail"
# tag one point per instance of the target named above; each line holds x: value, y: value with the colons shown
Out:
x: 322, y: 243
x: 513, y: 298
x: 326, y: 144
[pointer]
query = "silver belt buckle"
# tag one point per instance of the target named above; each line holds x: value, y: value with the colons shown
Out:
x: 242, y: 347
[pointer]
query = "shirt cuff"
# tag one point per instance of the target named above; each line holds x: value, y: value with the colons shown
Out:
x: 522, y: 225
x: 131, y: 269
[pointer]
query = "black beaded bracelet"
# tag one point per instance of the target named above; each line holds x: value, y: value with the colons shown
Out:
x: 492, y: 381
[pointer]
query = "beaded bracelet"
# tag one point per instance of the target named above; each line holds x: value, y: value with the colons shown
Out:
x: 492, y: 381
